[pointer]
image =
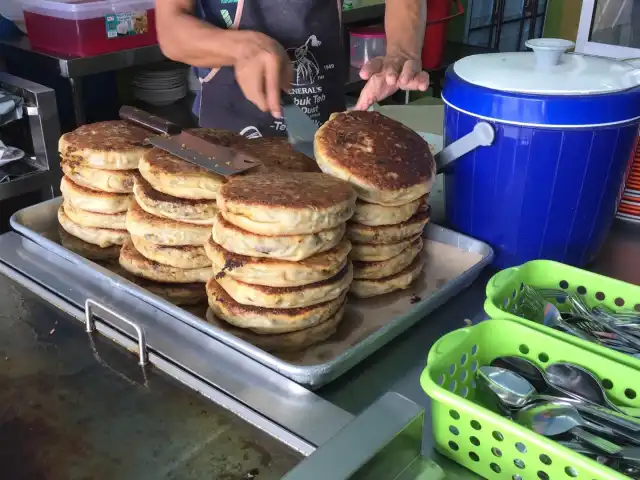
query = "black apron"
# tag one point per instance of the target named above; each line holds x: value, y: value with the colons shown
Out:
x: 309, y: 30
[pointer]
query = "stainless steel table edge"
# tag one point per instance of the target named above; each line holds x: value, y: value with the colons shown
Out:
x: 280, y: 406
x: 312, y: 376
x: 348, y: 453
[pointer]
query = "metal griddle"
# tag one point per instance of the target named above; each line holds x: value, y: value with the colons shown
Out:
x: 74, y: 405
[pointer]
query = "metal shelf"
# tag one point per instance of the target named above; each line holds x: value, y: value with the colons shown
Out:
x: 41, y: 131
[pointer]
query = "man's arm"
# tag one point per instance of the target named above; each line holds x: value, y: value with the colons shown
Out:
x: 261, y: 66
x: 185, y: 38
x: 401, y: 67
x: 404, y: 25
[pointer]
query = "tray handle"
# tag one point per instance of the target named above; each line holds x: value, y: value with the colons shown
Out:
x: 90, y: 323
x: 501, y: 279
x: 449, y: 341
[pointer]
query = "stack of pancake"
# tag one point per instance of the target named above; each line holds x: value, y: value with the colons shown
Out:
x: 99, y: 162
x: 280, y: 258
x: 175, y: 206
x: 392, y: 170
x: 170, y: 221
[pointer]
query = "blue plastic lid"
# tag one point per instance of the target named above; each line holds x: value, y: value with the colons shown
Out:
x: 546, y: 87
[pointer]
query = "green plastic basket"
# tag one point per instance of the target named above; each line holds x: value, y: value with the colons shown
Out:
x: 504, y: 290
x: 491, y: 445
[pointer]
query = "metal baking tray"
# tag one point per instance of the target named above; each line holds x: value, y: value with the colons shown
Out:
x: 454, y: 261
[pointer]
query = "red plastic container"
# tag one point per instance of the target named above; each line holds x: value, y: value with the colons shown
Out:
x: 89, y: 27
x: 435, y: 35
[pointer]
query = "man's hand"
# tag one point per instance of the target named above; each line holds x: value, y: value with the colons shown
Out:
x: 263, y: 69
x: 386, y: 75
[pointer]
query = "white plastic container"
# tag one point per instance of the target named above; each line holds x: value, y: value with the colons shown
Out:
x: 366, y: 44
x: 89, y: 27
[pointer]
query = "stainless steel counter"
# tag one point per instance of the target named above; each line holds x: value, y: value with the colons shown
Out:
x: 396, y: 367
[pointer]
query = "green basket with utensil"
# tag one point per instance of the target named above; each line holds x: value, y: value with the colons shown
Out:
x: 504, y: 291
x: 494, y: 446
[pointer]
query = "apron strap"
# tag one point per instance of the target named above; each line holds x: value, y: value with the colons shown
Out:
x: 234, y: 26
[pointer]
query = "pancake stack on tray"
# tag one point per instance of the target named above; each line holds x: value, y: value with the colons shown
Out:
x: 99, y: 162
x: 175, y: 207
x: 392, y: 170
x: 280, y: 258
x: 170, y: 221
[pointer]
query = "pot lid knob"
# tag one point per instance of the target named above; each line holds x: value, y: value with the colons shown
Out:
x: 548, y: 51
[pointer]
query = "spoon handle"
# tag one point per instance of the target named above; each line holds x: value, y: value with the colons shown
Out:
x: 609, y: 416
x: 600, y: 443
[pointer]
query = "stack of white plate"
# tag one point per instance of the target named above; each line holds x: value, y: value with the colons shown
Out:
x: 161, y: 84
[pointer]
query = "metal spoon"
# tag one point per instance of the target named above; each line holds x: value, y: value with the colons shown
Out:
x: 527, y: 369
x: 552, y: 420
x: 628, y: 457
x: 582, y: 449
x: 512, y: 389
x: 543, y: 385
x: 545, y: 312
x: 583, y: 384
x: 553, y: 319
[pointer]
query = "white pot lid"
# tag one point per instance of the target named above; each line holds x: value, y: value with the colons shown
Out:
x: 548, y: 70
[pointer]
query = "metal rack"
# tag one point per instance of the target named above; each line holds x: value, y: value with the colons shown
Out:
x: 37, y: 134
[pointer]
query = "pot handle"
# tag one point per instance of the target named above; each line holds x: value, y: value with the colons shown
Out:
x: 482, y: 135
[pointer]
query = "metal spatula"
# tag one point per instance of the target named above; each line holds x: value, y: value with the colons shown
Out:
x: 216, y: 158
x: 300, y: 128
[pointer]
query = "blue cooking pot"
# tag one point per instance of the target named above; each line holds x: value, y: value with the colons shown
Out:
x: 565, y: 127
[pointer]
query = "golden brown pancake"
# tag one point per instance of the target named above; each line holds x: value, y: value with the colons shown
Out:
x: 383, y: 234
x: 173, y: 176
x: 183, y: 256
x: 183, y: 294
x: 113, y: 145
x: 371, y: 252
x: 268, y: 320
x: 94, y: 200
x: 137, y: 264
x: 283, y: 342
x: 365, y: 288
x: 88, y: 250
x: 184, y: 210
x: 115, y: 181
x: 102, y: 237
x: 287, y: 297
x: 278, y: 273
x: 278, y: 204
x: 387, y: 162
x: 386, y: 268
x: 277, y: 155
x: 84, y: 218
x: 283, y: 247
x: 164, y: 231
x: 375, y: 215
